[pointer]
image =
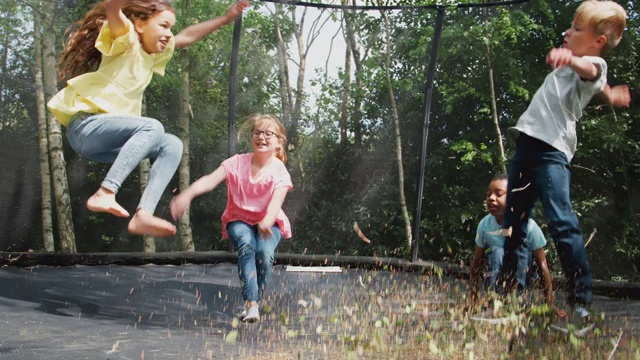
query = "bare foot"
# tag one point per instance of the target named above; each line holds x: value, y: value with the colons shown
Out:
x: 104, y: 200
x: 144, y: 223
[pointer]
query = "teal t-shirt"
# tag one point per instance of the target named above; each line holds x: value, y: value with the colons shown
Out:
x: 489, y: 234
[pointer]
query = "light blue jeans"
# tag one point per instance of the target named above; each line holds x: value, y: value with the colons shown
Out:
x: 255, y: 257
x: 125, y: 141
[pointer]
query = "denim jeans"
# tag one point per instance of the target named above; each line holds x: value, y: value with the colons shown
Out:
x: 125, y: 141
x: 255, y: 257
x: 539, y: 170
x: 494, y: 264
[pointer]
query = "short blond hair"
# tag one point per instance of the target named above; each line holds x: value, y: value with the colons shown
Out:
x: 606, y: 18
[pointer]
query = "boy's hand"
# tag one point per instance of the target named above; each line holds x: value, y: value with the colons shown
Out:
x: 619, y: 96
x: 559, y: 57
x: 237, y: 9
x: 559, y: 312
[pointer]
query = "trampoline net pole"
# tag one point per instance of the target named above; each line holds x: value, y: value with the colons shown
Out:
x: 433, y: 57
x: 233, y: 80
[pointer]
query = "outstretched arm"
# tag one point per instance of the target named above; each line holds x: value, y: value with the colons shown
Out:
x: 193, y: 33
x: 117, y: 20
x: 616, y: 95
x: 181, y: 202
x: 541, y: 260
x: 264, y: 226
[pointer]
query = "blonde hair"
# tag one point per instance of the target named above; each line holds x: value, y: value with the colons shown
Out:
x: 281, y: 132
x: 606, y: 18
x: 80, y: 54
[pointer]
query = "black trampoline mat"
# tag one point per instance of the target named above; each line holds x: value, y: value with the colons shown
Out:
x: 188, y: 311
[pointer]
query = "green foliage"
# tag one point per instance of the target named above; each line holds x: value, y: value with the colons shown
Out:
x: 336, y: 186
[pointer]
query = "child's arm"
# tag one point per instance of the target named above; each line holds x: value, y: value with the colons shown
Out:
x: 541, y: 261
x: 193, y: 33
x: 117, y: 20
x: 616, y: 95
x: 584, y: 68
x: 474, y: 275
x: 181, y: 202
x: 264, y: 226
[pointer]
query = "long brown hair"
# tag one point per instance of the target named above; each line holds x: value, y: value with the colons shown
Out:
x: 252, y: 120
x: 80, y: 54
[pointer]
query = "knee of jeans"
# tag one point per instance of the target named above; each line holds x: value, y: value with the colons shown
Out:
x: 264, y: 258
x: 153, y: 125
x: 244, y: 249
x: 173, y: 145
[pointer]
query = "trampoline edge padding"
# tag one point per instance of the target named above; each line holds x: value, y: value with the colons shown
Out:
x: 434, y: 268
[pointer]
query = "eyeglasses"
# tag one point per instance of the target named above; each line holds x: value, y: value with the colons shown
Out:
x: 268, y: 134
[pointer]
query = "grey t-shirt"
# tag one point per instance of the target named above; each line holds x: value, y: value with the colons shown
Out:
x: 557, y: 105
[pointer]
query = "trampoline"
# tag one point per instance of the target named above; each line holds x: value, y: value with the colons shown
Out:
x: 384, y: 307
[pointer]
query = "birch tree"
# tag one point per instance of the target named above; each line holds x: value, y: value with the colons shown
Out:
x: 358, y: 58
x: 396, y: 123
x: 492, y: 94
x: 58, y: 166
x: 45, y: 173
x: 346, y: 87
x: 184, y: 226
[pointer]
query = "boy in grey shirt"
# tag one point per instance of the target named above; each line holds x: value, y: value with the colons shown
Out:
x: 546, y: 142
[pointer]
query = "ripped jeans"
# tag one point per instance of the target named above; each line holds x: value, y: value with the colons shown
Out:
x: 255, y: 257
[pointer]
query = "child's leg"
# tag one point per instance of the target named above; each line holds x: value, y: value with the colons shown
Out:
x: 125, y: 141
x: 243, y: 236
x: 166, y: 158
x: 494, y: 263
x: 521, y: 196
x: 564, y: 228
x: 122, y: 140
x: 265, y: 250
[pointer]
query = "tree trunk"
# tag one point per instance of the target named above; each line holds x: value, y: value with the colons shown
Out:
x: 298, y: 31
x: 494, y: 111
x: 286, y: 95
x: 59, y: 172
x: 5, y: 72
x: 346, y: 87
x: 148, y: 241
x: 184, y: 226
x: 357, y: 97
x: 45, y: 173
x: 290, y: 116
x: 396, y: 123
x: 494, y: 105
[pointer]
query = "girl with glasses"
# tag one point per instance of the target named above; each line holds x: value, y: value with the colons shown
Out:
x: 257, y: 184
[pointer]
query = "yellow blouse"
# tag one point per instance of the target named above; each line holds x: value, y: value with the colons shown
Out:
x: 118, y: 84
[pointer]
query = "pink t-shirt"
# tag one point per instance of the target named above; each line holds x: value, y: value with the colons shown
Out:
x: 248, y: 198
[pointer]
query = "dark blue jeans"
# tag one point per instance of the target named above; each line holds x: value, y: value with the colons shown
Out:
x: 539, y: 170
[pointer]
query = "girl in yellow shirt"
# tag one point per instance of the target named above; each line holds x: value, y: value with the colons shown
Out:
x: 107, y: 64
